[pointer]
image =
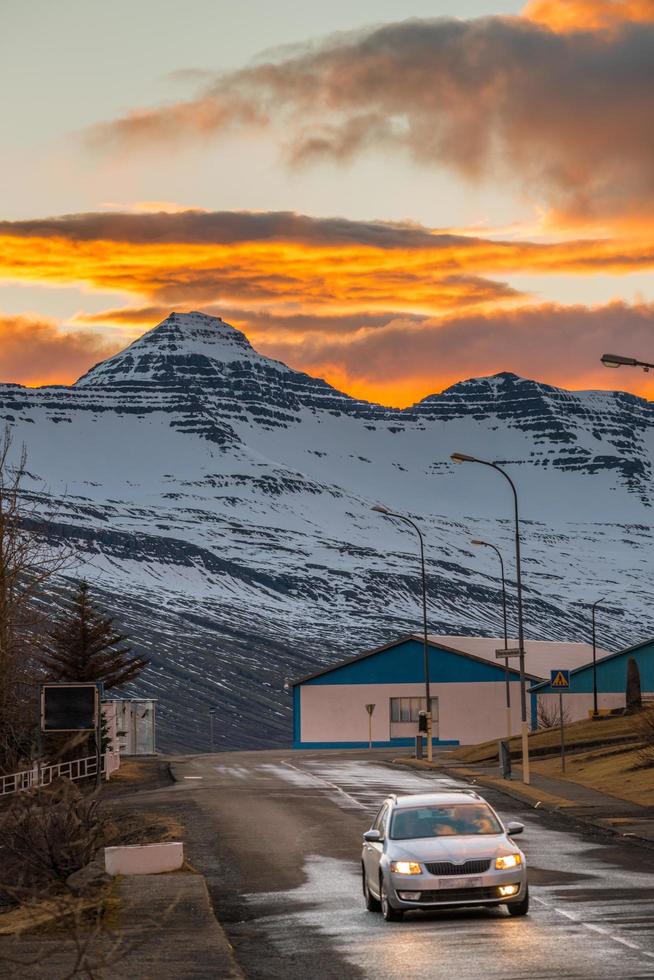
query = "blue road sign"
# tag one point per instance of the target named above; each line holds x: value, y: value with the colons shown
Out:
x: 560, y: 679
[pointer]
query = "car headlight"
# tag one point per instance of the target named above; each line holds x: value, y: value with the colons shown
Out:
x: 405, y: 868
x: 507, y: 861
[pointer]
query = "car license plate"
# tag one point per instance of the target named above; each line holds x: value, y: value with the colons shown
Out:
x: 459, y: 882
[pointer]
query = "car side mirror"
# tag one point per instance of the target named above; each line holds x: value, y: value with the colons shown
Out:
x: 514, y: 828
x: 372, y: 836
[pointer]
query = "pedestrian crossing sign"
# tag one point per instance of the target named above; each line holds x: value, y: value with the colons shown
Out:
x: 560, y: 679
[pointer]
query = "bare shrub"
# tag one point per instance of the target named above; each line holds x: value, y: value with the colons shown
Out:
x: 47, y: 834
x: 548, y: 714
x: 27, y: 562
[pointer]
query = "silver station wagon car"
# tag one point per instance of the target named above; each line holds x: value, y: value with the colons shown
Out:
x: 441, y: 850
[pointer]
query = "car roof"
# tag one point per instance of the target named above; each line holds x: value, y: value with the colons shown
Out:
x: 442, y: 798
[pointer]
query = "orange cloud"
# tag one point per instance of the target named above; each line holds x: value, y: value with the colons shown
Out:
x: 289, y: 261
x: 402, y: 362
x: 385, y: 311
x: 588, y: 15
x: 387, y: 358
x: 35, y: 352
x: 197, y: 257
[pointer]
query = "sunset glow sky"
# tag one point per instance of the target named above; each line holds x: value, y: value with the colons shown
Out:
x: 391, y: 195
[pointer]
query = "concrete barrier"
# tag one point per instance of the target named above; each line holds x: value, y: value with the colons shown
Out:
x: 144, y: 859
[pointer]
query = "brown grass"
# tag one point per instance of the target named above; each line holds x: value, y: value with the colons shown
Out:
x: 616, y: 773
x: 44, y: 914
x: 586, y: 732
x: 140, y: 827
x: 132, y: 771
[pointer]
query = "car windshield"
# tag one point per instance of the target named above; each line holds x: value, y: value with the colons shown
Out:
x: 460, y: 820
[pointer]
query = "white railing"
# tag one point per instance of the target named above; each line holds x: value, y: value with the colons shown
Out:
x: 40, y: 775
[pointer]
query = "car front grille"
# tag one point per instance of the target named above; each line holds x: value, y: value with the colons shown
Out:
x: 448, y: 868
x: 448, y: 895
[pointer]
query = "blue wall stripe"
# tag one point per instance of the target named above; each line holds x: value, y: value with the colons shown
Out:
x: 394, y: 743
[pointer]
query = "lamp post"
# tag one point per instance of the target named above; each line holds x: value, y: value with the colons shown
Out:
x: 593, y: 608
x: 507, y: 685
x: 407, y: 520
x: 524, y: 730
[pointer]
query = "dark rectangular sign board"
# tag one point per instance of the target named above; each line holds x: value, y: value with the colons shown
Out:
x: 69, y: 707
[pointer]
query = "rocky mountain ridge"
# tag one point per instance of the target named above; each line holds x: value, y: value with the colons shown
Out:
x: 220, y: 502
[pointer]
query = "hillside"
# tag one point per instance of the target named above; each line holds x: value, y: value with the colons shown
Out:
x: 220, y: 501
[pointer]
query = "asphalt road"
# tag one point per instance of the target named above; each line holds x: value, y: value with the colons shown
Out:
x: 278, y: 835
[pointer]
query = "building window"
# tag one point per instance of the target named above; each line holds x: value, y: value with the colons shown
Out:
x: 407, y: 709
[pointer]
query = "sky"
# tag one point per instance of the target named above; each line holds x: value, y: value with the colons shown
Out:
x: 394, y: 196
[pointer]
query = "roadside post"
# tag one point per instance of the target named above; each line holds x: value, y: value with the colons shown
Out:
x: 370, y: 708
x: 505, y: 653
x: 504, y: 753
x: 212, y: 712
x: 423, y: 729
x: 560, y: 679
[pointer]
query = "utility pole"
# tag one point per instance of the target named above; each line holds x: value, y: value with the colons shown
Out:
x: 507, y: 684
x: 593, y: 608
x: 407, y: 520
x: 524, y: 727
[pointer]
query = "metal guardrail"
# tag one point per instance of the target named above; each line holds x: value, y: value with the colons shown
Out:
x: 40, y: 775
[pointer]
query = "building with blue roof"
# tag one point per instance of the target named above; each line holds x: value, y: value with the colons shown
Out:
x: 468, y: 692
x: 611, y: 674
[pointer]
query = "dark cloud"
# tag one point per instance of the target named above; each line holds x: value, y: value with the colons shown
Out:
x: 567, y: 112
x: 227, y: 227
x: 259, y: 322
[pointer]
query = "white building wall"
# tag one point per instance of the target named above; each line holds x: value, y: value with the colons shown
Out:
x: 577, y: 706
x: 468, y: 712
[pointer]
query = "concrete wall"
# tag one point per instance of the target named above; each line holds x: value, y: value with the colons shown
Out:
x: 468, y: 712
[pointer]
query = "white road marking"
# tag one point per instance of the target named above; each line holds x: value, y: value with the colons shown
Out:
x: 594, y: 928
x: 326, y: 782
x: 238, y: 772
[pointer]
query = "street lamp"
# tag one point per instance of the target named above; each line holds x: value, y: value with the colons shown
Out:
x: 487, y: 544
x: 407, y: 520
x: 463, y: 458
x: 593, y: 608
x: 617, y: 360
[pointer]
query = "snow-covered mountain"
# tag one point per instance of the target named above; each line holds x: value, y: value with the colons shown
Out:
x: 220, y: 503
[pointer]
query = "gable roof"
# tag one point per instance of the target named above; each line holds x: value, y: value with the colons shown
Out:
x: 433, y: 641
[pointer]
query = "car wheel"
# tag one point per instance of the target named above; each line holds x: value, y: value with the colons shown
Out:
x: 390, y: 914
x: 372, y: 903
x: 521, y: 907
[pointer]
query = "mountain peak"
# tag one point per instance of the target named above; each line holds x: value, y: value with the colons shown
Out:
x: 200, y: 330
x: 183, y: 347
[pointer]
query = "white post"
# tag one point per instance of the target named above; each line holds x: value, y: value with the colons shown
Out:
x: 562, y: 736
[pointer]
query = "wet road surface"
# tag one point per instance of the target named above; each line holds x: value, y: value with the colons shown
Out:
x: 279, y: 837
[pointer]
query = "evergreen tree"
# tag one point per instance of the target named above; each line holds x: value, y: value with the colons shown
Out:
x: 83, y: 646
